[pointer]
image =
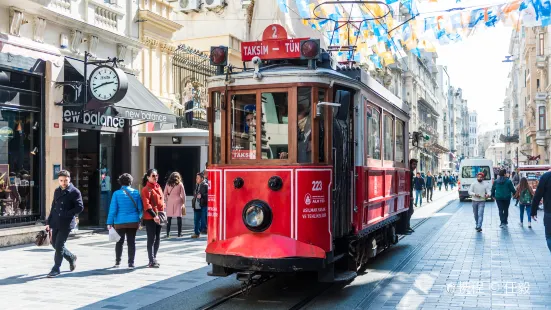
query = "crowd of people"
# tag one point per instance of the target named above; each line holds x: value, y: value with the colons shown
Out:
x: 425, y: 185
x: 151, y: 207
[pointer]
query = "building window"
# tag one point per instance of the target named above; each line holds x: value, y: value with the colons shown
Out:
x: 542, y: 118
x: 541, y: 44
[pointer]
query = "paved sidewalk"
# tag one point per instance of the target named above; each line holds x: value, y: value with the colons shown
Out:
x: 459, y: 268
x: 95, y: 284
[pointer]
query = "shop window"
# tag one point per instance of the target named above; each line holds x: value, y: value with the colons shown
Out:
x: 243, y: 127
x: 275, y: 125
x: 374, y: 135
x: 400, y: 151
x: 19, y: 163
x: 304, y: 125
x: 17, y: 89
x: 388, y: 138
x: 217, y: 131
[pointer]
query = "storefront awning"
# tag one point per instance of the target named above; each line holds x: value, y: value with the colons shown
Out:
x: 138, y: 104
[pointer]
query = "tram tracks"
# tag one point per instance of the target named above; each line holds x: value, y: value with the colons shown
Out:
x: 319, y: 290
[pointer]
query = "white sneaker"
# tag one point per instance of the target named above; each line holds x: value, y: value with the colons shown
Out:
x: 520, y: 224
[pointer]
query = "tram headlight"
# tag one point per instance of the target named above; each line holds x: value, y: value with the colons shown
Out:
x: 257, y: 215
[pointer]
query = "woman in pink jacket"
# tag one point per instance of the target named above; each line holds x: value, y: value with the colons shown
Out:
x: 175, y: 196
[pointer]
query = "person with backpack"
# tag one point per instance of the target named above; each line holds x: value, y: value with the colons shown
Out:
x: 125, y: 213
x: 524, y: 196
x: 439, y: 181
x: 154, y: 206
x: 446, y: 181
x: 200, y: 206
x: 479, y: 192
x: 175, y: 195
x: 502, y: 189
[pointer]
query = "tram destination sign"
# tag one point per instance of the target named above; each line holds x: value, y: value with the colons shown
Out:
x: 271, y: 49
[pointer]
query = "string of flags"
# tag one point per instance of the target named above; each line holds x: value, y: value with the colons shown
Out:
x: 384, y: 30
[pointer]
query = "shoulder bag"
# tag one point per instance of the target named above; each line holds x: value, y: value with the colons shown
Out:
x: 160, y: 214
x: 135, y: 205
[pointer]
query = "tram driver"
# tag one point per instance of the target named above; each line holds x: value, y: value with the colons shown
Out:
x: 304, y: 135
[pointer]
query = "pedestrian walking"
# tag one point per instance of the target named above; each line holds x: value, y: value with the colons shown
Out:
x: 124, y: 216
x: 175, y: 195
x: 412, y: 167
x: 452, y: 182
x: 419, y: 185
x: 153, y: 204
x: 479, y: 192
x: 429, y: 186
x: 200, y: 208
x: 439, y: 181
x: 66, y: 206
x: 446, y: 181
x: 524, y: 195
x: 516, y: 181
x: 543, y: 191
x: 502, y: 189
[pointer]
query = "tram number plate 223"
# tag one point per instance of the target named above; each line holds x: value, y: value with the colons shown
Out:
x: 317, y: 186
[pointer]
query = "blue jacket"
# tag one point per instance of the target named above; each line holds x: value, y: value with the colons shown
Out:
x: 122, y: 209
x: 429, y: 181
x: 418, y: 183
x: 67, y: 204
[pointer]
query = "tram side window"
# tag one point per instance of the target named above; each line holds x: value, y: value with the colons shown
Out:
x: 217, y: 142
x: 374, y: 135
x: 321, y: 134
x: 275, y: 127
x: 400, y: 141
x: 304, y: 125
x: 243, y: 127
x: 388, y: 136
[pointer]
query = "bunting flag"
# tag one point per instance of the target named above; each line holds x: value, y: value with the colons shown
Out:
x: 383, y: 34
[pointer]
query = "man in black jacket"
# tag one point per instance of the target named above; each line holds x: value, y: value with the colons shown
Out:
x: 412, y: 167
x: 200, y: 206
x: 66, y: 206
x: 544, y: 191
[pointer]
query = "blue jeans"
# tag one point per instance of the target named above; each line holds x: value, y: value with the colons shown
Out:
x: 419, y: 196
x: 204, y: 212
x: 197, y: 215
x: 478, y: 211
x: 528, y: 208
x: 547, y: 223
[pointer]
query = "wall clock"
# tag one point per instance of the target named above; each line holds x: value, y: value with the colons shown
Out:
x: 108, y: 84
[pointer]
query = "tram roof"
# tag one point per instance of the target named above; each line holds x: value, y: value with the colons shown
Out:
x: 272, y: 74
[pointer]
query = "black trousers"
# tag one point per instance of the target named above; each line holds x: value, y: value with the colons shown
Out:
x: 410, y: 211
x: 59, y: 237
x: 153, y: 239
x: 503, y: 207
x: 179, y: 219
x: 130, y: 234
x: 429, y: 193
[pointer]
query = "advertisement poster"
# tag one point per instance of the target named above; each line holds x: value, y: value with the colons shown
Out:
x: 4, y: 177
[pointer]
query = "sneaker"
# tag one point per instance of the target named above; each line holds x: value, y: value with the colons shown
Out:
x: 520, y: 224
x: 153, y: 265
x: 117, y: 265
x: 501, y: 225
x: 529, y: 225
x: 131, y: 266
x: 53, y: 274
x: 194, y: 236
x: 204, y: 232
x: 179, y: 235
x: 479, y: 230
x: 73, y: 264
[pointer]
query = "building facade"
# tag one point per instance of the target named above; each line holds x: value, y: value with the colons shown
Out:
x: 472, y: 150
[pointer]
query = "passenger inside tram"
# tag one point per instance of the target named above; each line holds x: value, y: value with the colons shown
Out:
x: 304, y: 129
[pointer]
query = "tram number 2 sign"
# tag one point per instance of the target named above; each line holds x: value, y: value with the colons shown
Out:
x: 317, y: 186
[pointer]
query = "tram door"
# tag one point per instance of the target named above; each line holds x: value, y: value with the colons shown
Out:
x: 343, y: 167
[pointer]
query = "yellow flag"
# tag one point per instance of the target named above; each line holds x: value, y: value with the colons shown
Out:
x: 388, y: 58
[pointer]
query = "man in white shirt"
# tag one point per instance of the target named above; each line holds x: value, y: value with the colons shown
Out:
x: 479, y: 192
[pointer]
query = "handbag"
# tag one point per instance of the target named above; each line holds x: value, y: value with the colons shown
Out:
x: 43, y: 238
x: 140, y: 212
x: 161, y: 214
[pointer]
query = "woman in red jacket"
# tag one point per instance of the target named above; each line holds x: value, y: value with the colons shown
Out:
x: 153, y: 203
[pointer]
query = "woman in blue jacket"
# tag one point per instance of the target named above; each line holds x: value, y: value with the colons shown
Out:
x: 125, y: 213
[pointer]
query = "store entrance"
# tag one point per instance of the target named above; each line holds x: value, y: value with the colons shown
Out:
x: 91, y: 156
x: 182, y: 159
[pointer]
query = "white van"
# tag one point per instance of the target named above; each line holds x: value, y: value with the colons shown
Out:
x: 468, y: 170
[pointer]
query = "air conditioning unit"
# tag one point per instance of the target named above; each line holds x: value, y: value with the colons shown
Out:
x: 245, y: 3
x: 209, y: 4
x: 189, y: 5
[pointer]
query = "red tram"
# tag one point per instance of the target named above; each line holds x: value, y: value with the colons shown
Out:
x: 307, y: 164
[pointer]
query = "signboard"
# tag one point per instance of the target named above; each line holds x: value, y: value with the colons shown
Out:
x: 243, y: 154
x: 92, y: 118
x: 57, y: 169
x: 271, y: 49
x: 274, y: 32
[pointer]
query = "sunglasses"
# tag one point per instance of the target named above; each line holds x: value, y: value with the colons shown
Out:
x: 155, y: 175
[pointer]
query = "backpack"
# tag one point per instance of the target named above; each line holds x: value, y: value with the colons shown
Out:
x: 525, y: 197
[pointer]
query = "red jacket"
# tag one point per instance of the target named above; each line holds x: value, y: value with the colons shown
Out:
x: 152, y: 198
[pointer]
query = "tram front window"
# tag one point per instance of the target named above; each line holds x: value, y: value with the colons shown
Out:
x: 275, y: 127
x: 243, y: 127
